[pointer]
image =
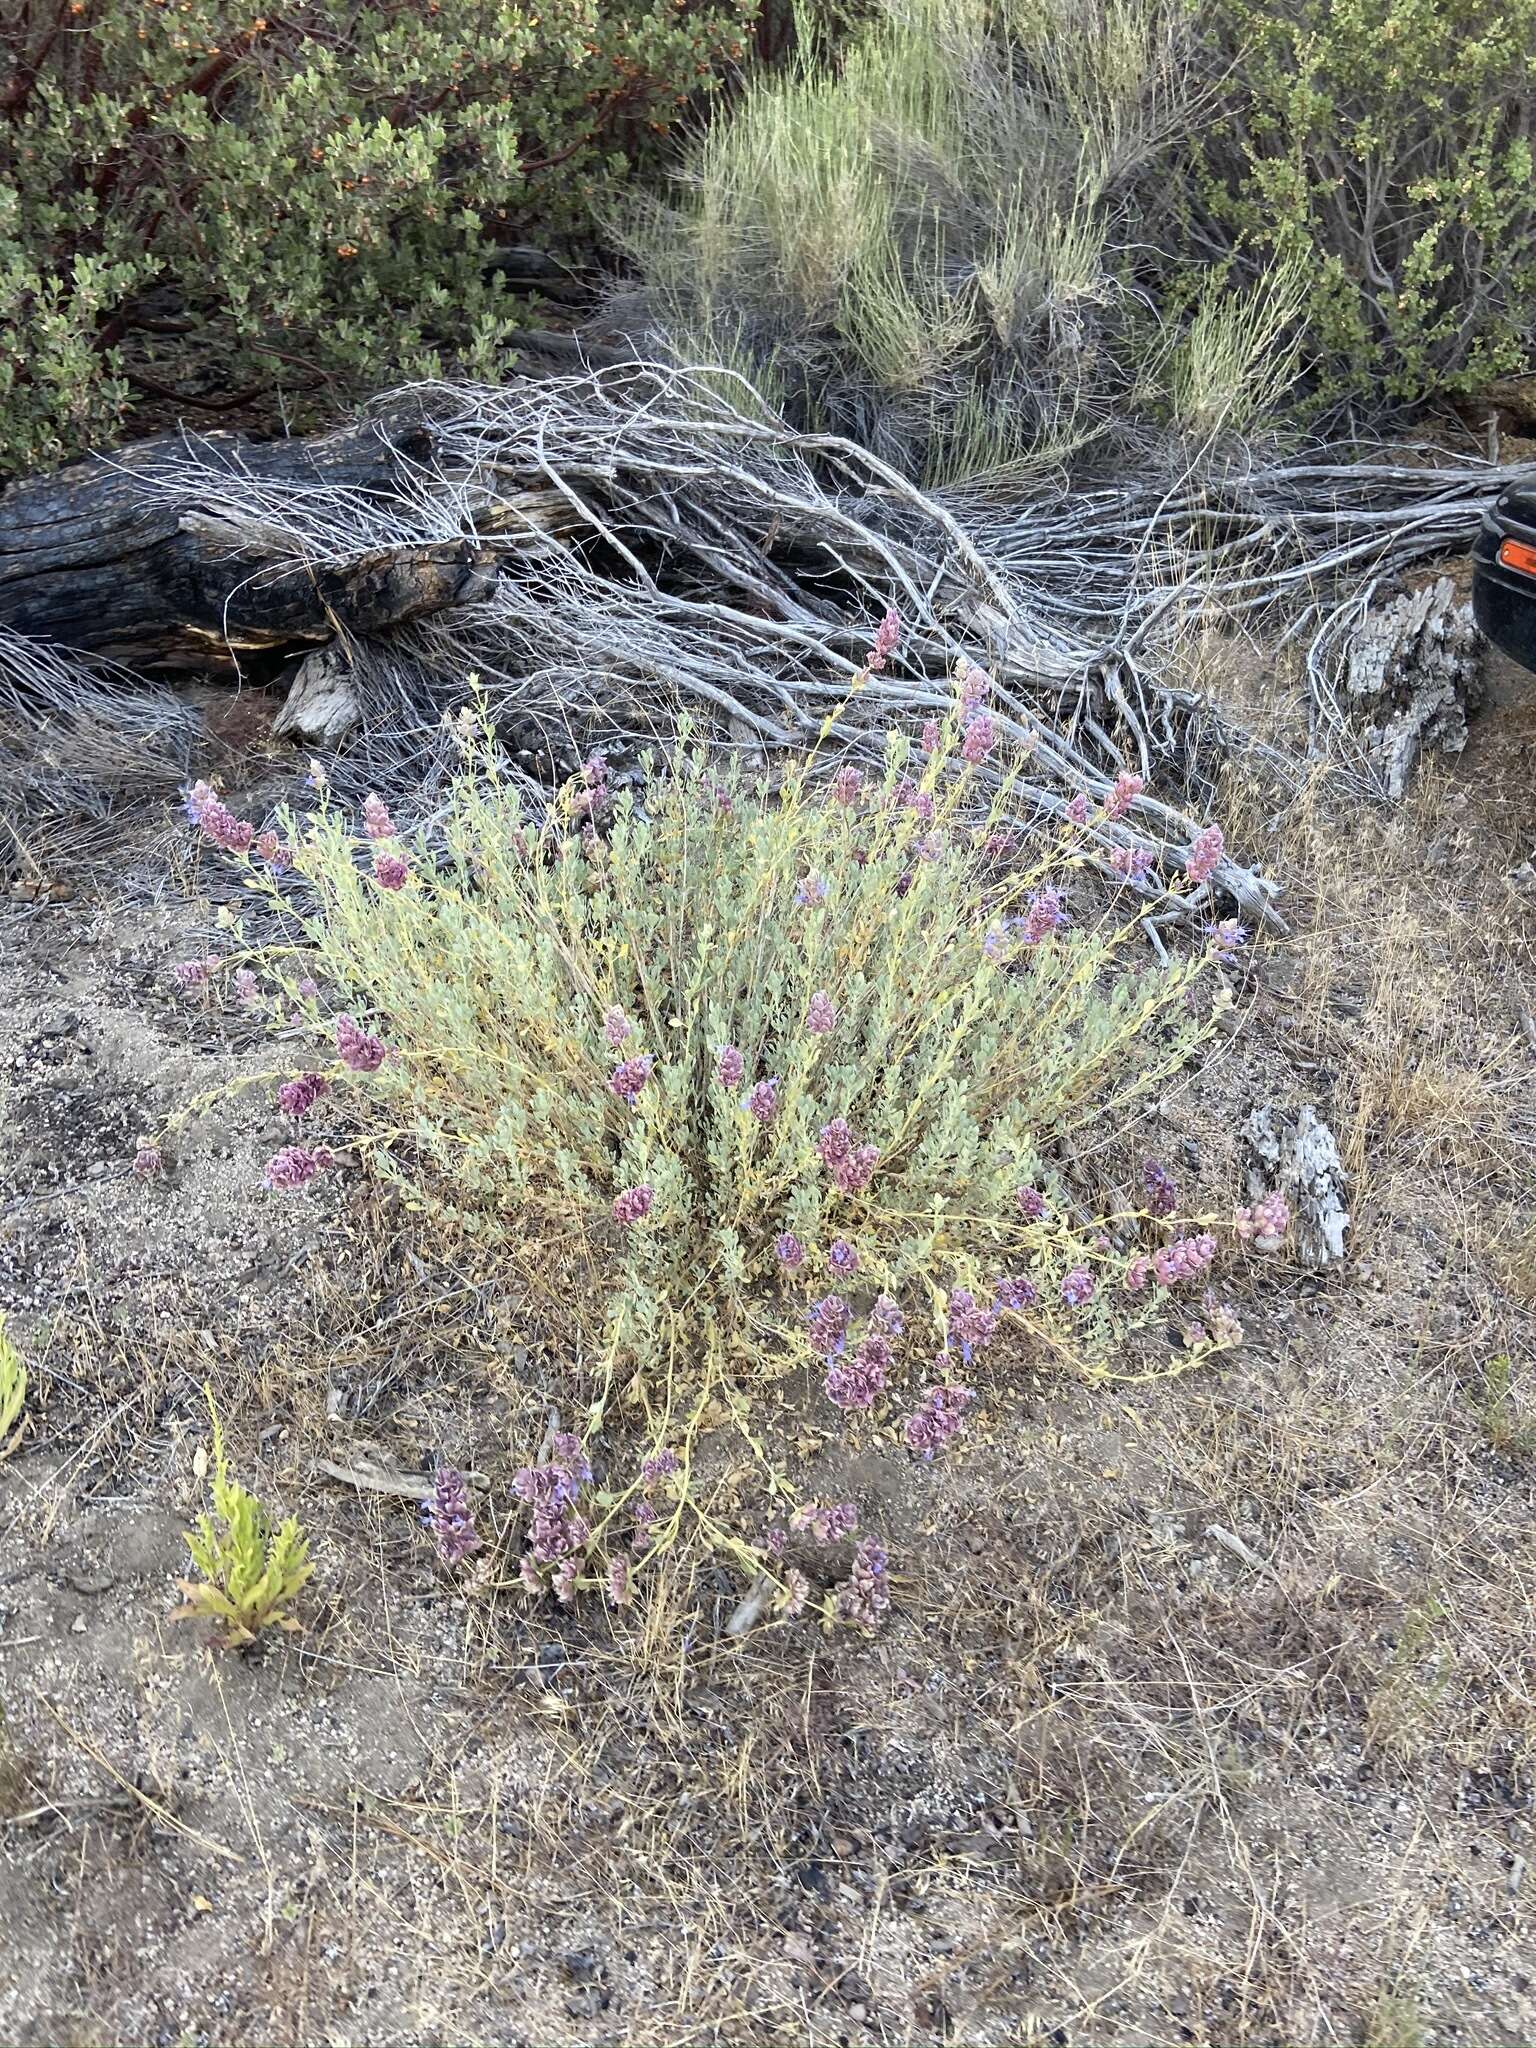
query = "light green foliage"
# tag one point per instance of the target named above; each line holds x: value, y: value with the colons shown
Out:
x: 1386, y: 145
x: 196, y: 196
x: 967, y: 1057
x: 13, y: 1387
x: 251, y: 1573
x: 929, y: 237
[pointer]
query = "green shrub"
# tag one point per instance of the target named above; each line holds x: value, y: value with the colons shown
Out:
x: 1386, y: 144
x: 196, y: 197
x: 728, y: 1071
x: 936, y: 237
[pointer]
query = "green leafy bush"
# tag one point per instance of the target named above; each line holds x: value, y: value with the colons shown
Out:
x: 746, y: 1078
x: 1386, y: 143
x: 195, y: 196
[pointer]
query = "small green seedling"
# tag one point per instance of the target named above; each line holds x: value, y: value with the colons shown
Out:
x: 250, y: 1575
x: 13, y: 1391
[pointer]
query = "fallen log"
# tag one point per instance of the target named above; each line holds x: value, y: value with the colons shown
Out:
x: 95, y: 559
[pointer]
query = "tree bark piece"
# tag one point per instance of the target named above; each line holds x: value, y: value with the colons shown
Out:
x: 1412, y: 672
x: 1296, y: 1154
x: 94, y: 560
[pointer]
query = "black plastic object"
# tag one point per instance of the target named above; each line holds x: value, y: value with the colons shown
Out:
x: 1504, y: 598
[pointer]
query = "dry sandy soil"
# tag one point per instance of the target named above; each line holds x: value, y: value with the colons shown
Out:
x: 1104, y: 1777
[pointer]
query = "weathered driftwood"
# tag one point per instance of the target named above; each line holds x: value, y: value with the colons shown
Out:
x: 97, y: 560
x: 1296, y: 1154
x: 1412, y: 672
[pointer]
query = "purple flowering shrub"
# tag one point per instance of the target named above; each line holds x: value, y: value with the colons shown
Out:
x: 793, y: 1071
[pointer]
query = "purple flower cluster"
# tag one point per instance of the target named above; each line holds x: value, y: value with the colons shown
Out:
x: 980, y: 737
x: 908, y: 797
x: 812, y: 891
x: 1132, y: 863
x: 885, y: 1318
x: 937, y: 1420
x: 1125, y: 792
x: 826, y: 1524
x: 846, y: 784
x: 851, y: 1166
x: 1137, y: 1273
x: 797, y: 1590
x: 789, y: 1251
x: 974, y: 685
x: 377, y: 823
x: 930, y: 735
x: 730, y: 1068
x: 297, y: 1098
x: 616, y: 1026
x: 216, y: 821
x: 1265, y: 1223
x: 1031, y: 1204
x: 592, y: 799
x: 887, y: 640
x: 1185, y: 1259
x: 446, y: 1513
x: 1205, y: 854
x: 194, y: 974
x: 247, y: 992
x: 1227, y: 938
x: 762, y: 1099
x: 821, y: 1014
x: 1044, y: 916
x: 857, y: 1382
x: 630, y: 1076
x: 620, y: 1592
x: 390, y: 871
x: 295, y: 1166
x: 828, y: 1319
x: 358, y: 1049
x: 551, y: 1492
x: 1078, y: 809
x: 147, y: 1162
x: 968, y: 1323
x: 277, y: 853
x: 866, y: 1594
x: 843, y: 1258
x: 1162, y: 1194
x: 660, y: 1465
x: 1077, y: 1287
x: 630, y: 1204
x: 1015, y: 1293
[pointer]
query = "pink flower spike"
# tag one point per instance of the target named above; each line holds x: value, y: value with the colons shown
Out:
x: 1125, y: 792
x: 980, y: 736
x: 1205, y: 854
x: 731, y: 1067
x: 633, y: 1203
x: 1077, y: 809
x: 821, y: 1014
x: 887, y: 639
x: 377, y: 822
x: 930, y: 735
x: 616, y: 1026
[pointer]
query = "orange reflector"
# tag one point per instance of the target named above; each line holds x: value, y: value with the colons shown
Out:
x: 1514, y: 554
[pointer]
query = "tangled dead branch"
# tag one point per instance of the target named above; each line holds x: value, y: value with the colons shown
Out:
x: 659, y: 543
